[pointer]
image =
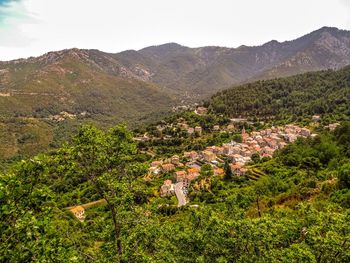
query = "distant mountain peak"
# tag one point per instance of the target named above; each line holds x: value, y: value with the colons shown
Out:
x: 204, y: 70
x: 272, y: 43
x: 170, y: 45
x: 163, y: 49
x: 329, y: 29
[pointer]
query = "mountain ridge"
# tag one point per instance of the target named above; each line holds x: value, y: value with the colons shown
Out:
x: 134, y: 85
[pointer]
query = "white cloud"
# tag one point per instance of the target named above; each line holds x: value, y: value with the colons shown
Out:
x: 116, y: 25
x: 14, y: 16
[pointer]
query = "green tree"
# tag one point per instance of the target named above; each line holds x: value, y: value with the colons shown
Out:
x: 32, y: 227
x: 228, y: 171
x: 255, y: 158
x: 344, y: 176
x: 207, y: 170
x: 106, y: 160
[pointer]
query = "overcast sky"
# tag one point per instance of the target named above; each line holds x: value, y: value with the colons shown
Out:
x: 33, y: 27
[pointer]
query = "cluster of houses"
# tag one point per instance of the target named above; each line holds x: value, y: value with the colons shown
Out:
x: 63, y: 115
x: 332, y: 126
x: 263, y: 143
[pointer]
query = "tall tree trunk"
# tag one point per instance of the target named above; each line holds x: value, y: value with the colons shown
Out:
x: 116, y: 229
x: 258, y: 206
x: 117, y: 226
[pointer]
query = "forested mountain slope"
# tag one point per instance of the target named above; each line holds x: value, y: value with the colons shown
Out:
x: 42, y: 99
x: 325, y: 93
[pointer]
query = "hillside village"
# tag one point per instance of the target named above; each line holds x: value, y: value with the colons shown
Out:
x: 186, y: 167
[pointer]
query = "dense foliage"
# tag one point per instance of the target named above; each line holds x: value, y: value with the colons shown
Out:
x: 326, y: 93
x: 297, y: 212
x: 171, y: 139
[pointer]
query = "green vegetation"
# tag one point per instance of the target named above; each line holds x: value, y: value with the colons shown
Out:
x: 297, y: 209
x: 33, y: 91
x: 294, y: 207
x: 326, y: 93
x: 178, y: 140
x: 142, y: 86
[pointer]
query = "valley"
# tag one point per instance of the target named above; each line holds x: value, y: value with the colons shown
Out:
x: 178, y: 154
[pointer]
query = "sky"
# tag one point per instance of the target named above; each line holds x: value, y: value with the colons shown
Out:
x: 34, y: 27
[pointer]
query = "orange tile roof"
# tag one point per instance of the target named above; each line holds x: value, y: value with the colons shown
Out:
x: 180, y: 173
x: 219, y: 171
x: 193, y: 170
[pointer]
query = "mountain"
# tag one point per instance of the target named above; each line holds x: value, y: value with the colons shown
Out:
x: 76, y: 81
x: 326, y: 48
x: 135, y: 86
x: 199, y: 72
x: 111, y: 84
x: 43, y: 98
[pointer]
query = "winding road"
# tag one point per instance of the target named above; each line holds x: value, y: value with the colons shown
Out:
x: 181, y: 197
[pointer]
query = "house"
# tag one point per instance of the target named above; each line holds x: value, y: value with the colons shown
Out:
x: 268, y: 150
x: 218, y: 172
x: 247, y: 153
x: 198, y: 130
x: 183, y: 126
x: 182, y: 177
x: 175, y: 160
x: 192, y: 155
x: 236, y: 158
x: 245, y: 135
x: 168, y: 167
x: 227, y: 149
x: 272, y: 143
x: 156, y: 163
x: 305, y: 132
x: 167, y: 188
x: 143, y: 138
x: 246, y: 159
x: 201, y: 111
x: 254, y: 134
x: 193, y: 173
x: 235, y: 150
x: 190, y: 131
x: 281, y: 145
x: 193, y: 165
x: 316, y: 118
x: 179, y: 175
x: 292, y: 137
x: 237, y: 169
x: 267, y: 155
x: 154, y: 170
x: 218, y: 150
x: 332, y: 126
x: 78, y: 212
x: 256, y: 148
x: 208, y: 156
x: 230, y: 127
x: 237, y: 120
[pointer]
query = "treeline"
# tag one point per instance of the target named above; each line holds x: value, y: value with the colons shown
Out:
x: 326, y: 93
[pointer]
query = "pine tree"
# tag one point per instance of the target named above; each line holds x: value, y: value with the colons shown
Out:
x: 228, y: 172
